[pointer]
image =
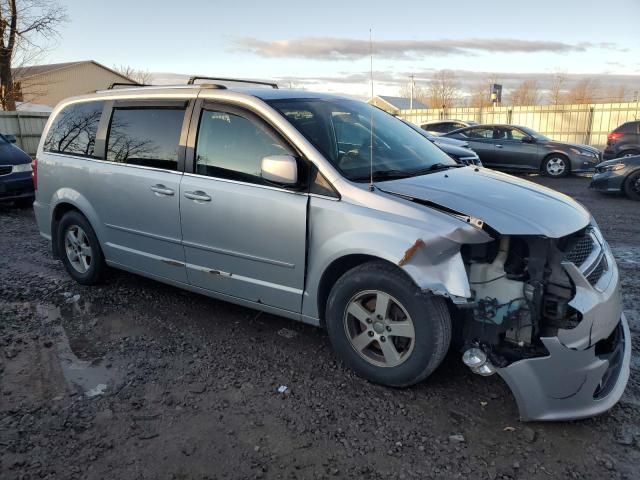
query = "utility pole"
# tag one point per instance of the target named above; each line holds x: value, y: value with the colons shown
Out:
x: 412, y: 76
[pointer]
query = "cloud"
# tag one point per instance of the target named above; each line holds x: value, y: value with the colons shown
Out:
x: 333, y: 48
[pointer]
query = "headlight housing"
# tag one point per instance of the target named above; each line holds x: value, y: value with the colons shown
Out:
x: 23, y: 167
x: 611, y: 168
x: 583, y: 153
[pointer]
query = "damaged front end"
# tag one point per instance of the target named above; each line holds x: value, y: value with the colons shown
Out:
x: 545, y: 314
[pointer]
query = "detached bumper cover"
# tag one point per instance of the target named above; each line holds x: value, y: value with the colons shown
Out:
x: 570, y: 384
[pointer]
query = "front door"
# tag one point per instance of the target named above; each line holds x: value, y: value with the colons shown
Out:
x: 243, y: 237
x: 480, y: 141
x: 513, y: 151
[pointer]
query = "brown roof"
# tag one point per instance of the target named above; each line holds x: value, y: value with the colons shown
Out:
x: 21, y: 73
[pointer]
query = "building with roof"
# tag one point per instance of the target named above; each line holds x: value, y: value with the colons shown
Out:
x: 395, y: 104
x: 48, y: 84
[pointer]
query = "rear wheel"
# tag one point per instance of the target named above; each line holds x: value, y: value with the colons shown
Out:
x: 384, y: 327
x: 632, y: 186
x: 79, y: 249
x: 556, y: 166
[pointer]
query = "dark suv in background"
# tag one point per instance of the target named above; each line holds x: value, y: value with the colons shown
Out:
x: 624, y: 141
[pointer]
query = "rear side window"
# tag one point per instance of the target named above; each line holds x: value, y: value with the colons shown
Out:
x: 629, y: 127
x: 232, y: 146
x: 478, y: 133
x: 74, y: 130
x: 146, y: 137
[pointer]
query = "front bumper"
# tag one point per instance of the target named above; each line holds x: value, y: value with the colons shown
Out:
x: 571, y: 384
x: 587, y: 368
x: 582, y: 164
x: 16, y: 186
x: 608, y: 181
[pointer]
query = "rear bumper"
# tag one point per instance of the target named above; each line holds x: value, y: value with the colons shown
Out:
x: 571, y: 384
x: 16, y: 186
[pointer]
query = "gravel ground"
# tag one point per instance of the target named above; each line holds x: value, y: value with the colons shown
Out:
x: 135, y: 379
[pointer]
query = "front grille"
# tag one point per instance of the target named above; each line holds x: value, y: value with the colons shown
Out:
x: 5, y: 169
x: 581, y: 251
x: 597, y: 272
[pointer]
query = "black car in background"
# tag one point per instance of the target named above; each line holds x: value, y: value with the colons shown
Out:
x: 620, y: 175
x: 15, y: 173
x: 624, y: 141
x: 439, y: 127
x: 516, y: 148
x: 457, y: 149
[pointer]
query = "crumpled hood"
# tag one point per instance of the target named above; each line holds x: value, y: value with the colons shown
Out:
x: 508, y: 204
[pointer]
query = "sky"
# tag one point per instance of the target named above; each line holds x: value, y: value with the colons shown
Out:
x: 325, y: 45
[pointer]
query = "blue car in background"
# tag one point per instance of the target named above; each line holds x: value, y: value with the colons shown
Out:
x: 16, y: 184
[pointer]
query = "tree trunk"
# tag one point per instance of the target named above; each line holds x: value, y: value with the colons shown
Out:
x: 7, y: 94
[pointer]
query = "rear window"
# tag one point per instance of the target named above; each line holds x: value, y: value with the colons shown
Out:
x: 74, y: 130
x: 629, y: 127
x: 147, y: 137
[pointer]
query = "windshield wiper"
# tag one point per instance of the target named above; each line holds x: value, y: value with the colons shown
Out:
x: 437, y: 166
x: 384, y: 175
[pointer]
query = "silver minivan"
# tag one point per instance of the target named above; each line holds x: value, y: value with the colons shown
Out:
x: 332, y: 212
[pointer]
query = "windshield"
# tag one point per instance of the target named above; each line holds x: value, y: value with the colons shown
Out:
x: 533, y: 133
x: 341, y: 130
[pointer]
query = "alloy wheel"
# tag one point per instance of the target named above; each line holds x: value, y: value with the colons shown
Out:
x: 556, y: 166
x: 78, y: 249
x: 379, y: 328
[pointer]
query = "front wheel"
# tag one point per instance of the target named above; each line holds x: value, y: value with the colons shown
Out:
x: 632, y: 186
x: 556, y: 166
x: 384, y: 327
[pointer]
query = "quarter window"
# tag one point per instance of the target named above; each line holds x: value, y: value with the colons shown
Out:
x: 478, y: 133
x: 148, y: 137
x: 232, y: 146
x: 74, y: 130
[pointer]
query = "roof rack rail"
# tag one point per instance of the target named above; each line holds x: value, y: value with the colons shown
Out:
x: 192, y: 81
x: 115, y: 85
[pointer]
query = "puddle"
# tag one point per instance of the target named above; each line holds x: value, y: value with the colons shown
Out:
x: 88, y: 374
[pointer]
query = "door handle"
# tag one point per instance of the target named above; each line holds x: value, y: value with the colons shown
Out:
x: 198, y: 195
x: 498, y: 146
x: 162, y: 190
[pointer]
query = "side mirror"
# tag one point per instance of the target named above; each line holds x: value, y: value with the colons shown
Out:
x: 528, y: 140
x: 280, y: 169
x: 11, y: 138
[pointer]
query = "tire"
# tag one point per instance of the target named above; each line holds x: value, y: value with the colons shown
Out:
x: 91, y: 270
x: 359, y: 290
x: 632, y: 186
x: 556, y: 166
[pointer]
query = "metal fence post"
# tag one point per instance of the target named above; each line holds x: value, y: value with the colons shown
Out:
x: 19, y: 130
x: 587, y: 134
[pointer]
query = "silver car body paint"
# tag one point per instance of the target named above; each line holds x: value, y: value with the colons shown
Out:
x: 418, y: 223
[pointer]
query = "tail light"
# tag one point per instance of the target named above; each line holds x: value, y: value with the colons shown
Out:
x: 615, y: 136
x: 34, y: 173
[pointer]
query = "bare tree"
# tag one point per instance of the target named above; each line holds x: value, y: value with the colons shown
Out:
x: 527, y: 93
x: 584, y: 91
x: 419, y: 93
x: 615, y: 93
x: 443, y: 90
x: 556, y: 90
x: 480, y: 95
x: 26, y: 28
x: 142, y: 77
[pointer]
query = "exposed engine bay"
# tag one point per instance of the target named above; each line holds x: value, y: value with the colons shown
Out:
x: 520, y: 293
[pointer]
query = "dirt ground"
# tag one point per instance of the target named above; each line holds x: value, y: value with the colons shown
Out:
x: 136, y: 379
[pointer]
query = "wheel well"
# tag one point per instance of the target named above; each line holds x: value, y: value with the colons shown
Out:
x: 555, y: 154
x: 334, y: 271
x: 58, y: 213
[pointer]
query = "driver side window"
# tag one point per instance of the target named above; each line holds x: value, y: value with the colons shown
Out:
x: 232, y: 146
x: 515, y: 134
